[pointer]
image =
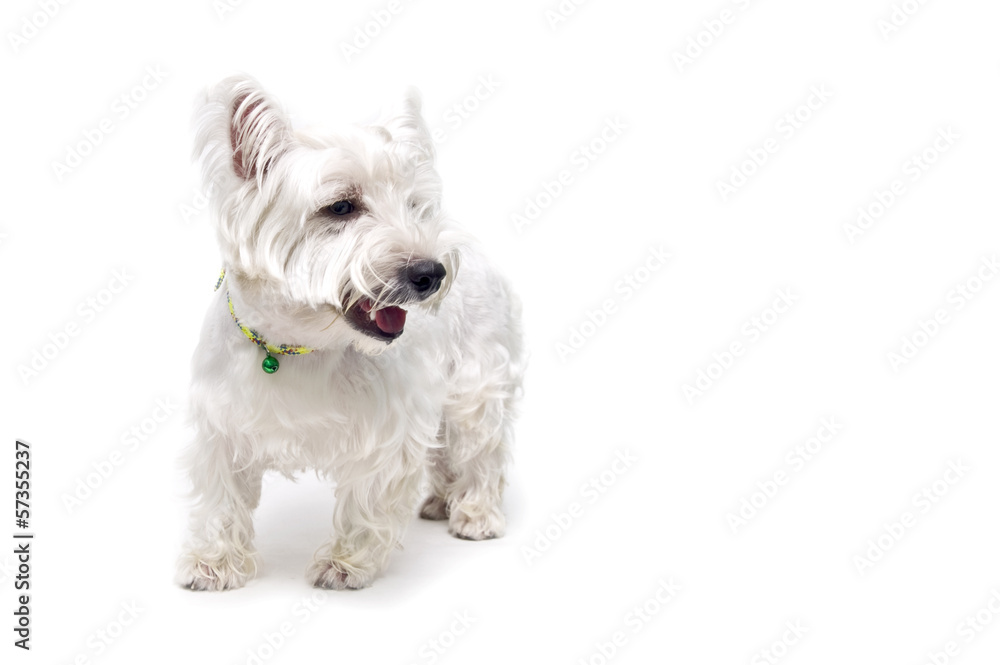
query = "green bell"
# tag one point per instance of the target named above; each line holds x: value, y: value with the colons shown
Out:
x: 270, y: 364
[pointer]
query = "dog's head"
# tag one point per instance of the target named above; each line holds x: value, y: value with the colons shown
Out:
x: 344, y: 227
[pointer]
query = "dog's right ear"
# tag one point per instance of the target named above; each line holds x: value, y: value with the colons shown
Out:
x: 241, y: 130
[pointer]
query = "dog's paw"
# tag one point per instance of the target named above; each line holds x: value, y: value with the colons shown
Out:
x: 200, y: 572
x: 478, y: 527
x: 434, y: 508
x: 327, y: 573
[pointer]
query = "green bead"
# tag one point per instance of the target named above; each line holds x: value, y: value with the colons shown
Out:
x: 270, y: 364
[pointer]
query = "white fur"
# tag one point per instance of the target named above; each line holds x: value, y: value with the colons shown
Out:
x: 368, y: 414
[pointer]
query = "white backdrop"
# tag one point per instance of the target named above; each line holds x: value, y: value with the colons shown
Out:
x: 757, y: 246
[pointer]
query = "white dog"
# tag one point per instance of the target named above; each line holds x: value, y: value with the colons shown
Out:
x: 356, y: 331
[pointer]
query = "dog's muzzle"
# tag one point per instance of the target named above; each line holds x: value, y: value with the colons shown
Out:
x: 419, y: 281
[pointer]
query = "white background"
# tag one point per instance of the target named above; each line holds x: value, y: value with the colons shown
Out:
x: 132, y: 205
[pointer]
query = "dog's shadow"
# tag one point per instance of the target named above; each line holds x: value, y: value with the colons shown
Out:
x: 295, y: 518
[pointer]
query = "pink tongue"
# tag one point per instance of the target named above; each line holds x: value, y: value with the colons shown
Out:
x: 390, y: 319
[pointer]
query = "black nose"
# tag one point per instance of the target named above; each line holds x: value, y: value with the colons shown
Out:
x: 425, y: 276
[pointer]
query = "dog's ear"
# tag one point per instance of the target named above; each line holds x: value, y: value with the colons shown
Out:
x: 241, y: 130
x: 406, y: 125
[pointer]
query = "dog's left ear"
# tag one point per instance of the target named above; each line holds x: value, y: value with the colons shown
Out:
x: 241, y: 130
x: 406, y: 125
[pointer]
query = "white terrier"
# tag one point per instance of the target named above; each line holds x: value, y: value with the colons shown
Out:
x: 304, y: 361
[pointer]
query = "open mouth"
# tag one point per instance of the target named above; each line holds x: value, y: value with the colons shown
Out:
x: 385, y: 323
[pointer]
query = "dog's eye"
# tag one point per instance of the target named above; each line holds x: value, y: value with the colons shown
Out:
x: 341, y: 208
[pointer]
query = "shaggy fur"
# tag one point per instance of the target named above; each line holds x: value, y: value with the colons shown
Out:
x: 371, y: 407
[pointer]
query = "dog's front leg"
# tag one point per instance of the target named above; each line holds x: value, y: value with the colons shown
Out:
x: 220, y: 553
x: 369, y: 519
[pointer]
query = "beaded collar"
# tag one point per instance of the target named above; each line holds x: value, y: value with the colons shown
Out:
x: 270, y: 364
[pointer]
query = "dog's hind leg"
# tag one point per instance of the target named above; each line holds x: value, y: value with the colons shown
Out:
x: 477, y: 453
x: 440, y: 477
x: 468, y: 473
